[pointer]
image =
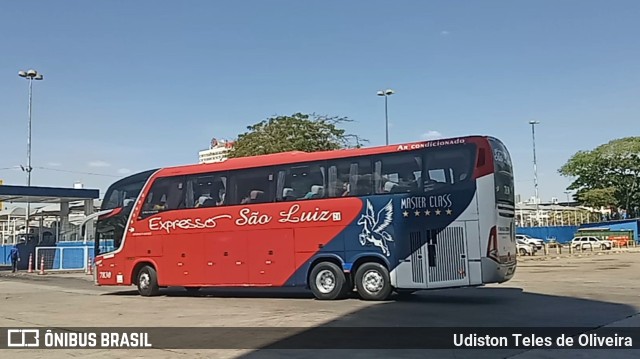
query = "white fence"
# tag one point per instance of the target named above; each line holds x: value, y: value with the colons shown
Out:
x: 61, y: 258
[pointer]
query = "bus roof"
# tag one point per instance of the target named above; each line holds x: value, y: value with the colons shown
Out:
x: 300, y: 156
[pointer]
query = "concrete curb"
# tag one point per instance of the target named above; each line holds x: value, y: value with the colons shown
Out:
x: 39, y: 277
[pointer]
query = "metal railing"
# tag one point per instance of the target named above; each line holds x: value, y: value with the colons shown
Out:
x: 554, y: 249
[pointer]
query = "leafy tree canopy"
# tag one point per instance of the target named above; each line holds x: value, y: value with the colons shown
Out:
x: 298, y: 132
x: 608, y: 175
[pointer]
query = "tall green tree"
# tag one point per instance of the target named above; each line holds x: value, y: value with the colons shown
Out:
x: 608, y: 175
x: 298, y: 132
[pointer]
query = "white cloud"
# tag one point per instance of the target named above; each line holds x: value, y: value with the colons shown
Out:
x: 431, y: 135
x: 99, y: 164
x: 444, y: 32
x: 124, y: 171
x: 54, y: 164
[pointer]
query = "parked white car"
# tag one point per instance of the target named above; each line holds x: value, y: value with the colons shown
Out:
x: 525, y: 249
x: 537, y: 242
x: 588, y: 242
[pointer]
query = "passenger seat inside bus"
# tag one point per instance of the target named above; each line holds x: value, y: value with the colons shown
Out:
x: 288, y: 194
x: 316, y: 191
x: 389, y: 186
x: 255, y: 196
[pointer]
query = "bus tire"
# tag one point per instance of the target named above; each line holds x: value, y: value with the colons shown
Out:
x: 327, y: 281
x: 148, y: 282
x: 373, y: 281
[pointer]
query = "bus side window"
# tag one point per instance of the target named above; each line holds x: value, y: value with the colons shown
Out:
x: 339, y: 179
x: 208, y: 190
x: 398, y: 173
x: 252, y: 186
x: 350, y: 177
x: 165, y: 194
x: 300, y: 182
x: 447, y: 166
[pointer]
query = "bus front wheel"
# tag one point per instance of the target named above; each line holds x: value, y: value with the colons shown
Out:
x: 327, y: 281
x: 373, y: 281
x: 148, y: 282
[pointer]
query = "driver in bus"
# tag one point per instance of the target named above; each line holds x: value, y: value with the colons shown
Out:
x: 162, y: 205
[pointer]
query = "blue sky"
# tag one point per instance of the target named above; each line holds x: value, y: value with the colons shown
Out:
x: 135, y: 85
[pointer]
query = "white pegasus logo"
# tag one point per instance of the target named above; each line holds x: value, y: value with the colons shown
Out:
x: 373, y: 227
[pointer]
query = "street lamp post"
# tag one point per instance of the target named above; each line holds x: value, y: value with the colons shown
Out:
x: 386, y: 94
x: 533, y: 124
x: 29, y: 75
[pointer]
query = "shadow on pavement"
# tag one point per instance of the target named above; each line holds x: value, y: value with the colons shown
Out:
x: 275, y: 293
x: 468, y: 307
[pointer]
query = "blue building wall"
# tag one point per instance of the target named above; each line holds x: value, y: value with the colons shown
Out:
x: 4, y: 251
x: 73, y: 257
x: 562, y: 234
x: 628, y: 224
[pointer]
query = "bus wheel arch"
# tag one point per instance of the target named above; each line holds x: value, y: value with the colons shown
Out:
x: 327, y: 280
x: 145, y: 277
x: 372, y: 278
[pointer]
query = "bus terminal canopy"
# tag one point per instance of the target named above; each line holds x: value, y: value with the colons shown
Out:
x: 31, y: 194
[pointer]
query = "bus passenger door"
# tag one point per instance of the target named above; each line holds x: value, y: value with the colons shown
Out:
x: 447, y: 258
x: 226, y: 258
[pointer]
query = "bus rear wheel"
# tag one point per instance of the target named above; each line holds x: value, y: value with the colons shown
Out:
x: 148, y: 282
x: 327, y: 281
x: 373, y: 281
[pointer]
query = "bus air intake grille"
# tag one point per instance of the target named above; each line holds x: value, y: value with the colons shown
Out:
x: 449, y: 258
x: 417, y: 270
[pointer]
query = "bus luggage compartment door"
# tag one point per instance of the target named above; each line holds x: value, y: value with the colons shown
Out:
x: 447, y: 259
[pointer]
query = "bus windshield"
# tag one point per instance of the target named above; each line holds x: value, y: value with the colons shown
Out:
x: 503, y: 171
x: 120, y: 198
x: 125, y: 190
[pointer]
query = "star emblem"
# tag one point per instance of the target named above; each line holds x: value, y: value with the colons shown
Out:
x: 438, y: 211
x: 427, y: 212
x: 417, y: 213
x: 405, y: 214
x: 449, y: 211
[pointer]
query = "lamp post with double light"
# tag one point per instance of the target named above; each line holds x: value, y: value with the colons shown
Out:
x: 30, y: 75
x: 386, y: 93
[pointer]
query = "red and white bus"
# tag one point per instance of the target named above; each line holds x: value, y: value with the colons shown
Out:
x: 408, y: 217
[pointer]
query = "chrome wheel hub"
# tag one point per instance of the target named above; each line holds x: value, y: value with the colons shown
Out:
x: 325, y: 281
x: 144, y: 280
x: 373, y: 281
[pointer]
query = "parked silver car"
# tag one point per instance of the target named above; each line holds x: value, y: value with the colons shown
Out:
x: 589, y: 242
